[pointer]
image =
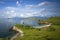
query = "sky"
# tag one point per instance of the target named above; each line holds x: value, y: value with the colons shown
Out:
x: 29, y: 8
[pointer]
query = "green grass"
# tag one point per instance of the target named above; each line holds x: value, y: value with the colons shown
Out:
x: 54, y: 20
x: 43, y: 34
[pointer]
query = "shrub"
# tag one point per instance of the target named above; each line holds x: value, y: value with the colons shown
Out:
x: 51, y: 29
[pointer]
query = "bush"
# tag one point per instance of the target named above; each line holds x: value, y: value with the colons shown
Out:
x: 28, y: 27
x: 51, y: 29
x: 47, y: 37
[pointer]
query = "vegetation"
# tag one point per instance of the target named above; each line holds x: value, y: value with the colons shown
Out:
x: 50, y: 33
x: 42, y: 22
x: 54, y: 20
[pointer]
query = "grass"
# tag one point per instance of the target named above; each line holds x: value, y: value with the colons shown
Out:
x: 50, y: 33
x: 43, y: 34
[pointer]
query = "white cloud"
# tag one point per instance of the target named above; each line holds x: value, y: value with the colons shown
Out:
x: 22, y: 12
x: 12, y: 11
x: 21, y: 15
x: 35, y: 13
x: 17, y: 3
x: 29, y: 6
x: 8, y: 12
x: 42, y: 10
x: 27, y: 11
x: 43, y: 3
x: 36, y: 6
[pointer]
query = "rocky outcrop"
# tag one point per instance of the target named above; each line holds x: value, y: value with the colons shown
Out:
x: 42, y: 22
x: 17, y: 31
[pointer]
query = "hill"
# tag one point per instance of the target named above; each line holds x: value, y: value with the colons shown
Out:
x: 54, y: 20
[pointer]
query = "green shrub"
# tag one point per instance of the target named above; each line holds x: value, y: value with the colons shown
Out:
x: 51, y: 29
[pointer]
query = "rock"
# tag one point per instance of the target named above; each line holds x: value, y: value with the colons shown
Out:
x: 18, y: 32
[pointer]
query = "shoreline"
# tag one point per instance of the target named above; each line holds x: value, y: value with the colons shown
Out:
x: 20, y: 33
x: 44, y: 26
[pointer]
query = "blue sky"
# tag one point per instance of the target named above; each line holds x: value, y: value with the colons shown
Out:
x: 29, y: 8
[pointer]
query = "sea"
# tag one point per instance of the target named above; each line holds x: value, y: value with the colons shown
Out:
x: 6, y: 24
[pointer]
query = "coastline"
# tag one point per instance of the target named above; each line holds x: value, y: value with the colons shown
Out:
x: 44, y: 26
x: 19, y: 33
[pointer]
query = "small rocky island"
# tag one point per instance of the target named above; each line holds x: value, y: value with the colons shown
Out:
x: 42, y: 22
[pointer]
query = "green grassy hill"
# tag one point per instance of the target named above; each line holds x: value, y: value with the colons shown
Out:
x: 54, y: 20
